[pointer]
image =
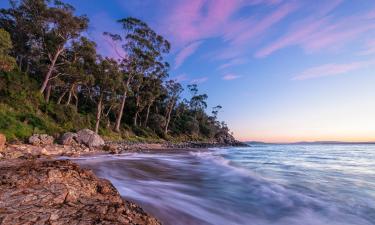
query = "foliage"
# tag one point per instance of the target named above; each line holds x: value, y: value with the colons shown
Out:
x: 61, y: 83
x: 7, y: 62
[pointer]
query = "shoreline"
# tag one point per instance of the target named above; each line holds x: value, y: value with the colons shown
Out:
x: 29, y: 175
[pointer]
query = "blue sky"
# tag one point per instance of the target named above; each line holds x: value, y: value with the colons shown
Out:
x: 283, y: 70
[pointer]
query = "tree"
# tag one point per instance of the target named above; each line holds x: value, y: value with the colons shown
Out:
x: 197, y: 102
x: 144, y: 54
x: 61, y: 26
x: 215, y: 111
x: 77, y: 69
x: 7, y: 62
x: 174, y: 90
x: 107, y: 80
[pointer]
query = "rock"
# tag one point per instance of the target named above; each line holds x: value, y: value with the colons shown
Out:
x: 60, y: 192
x: 111, y: 148
x: 224, y: 138
x: 68, y: 139
x: 89, y: 138
x: 41, y: 139
x: 3, y: 140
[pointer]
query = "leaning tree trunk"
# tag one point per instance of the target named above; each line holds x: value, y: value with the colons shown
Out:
x: 98, y: 114
x: 121, y: 111
x: 70, y: 95
x: 147, y: 114
x: 168, y: 119
x: 61, y: 97
x: 48, y: 93
x: 76, y: 99
x: 50, y: 70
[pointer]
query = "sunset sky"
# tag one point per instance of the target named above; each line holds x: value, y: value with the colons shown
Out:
x: 283, y: 70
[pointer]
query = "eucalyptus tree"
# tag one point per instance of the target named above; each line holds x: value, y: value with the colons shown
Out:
x: 144, y: 50
x: 198, y: 101
x: 25, y: 20
x: 77, y: 69
x: 44, y: 26
x: 107, y: 80
x: 61, y: 27
x: 153, y: 89
x: 174, y: 90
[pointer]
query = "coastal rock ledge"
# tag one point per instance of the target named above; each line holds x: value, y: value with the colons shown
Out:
x: 60, y: 192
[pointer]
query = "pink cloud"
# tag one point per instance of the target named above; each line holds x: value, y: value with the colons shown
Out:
x: 230, y: 76
x: 185, y: 53
x: 332, y: 69
x: 255, y: 28
x: 317, y: 34
x: 233, y: 62
x: 199, y: 80
x: 370, y: 48
x: 181, y: 78
x: 194, y: 20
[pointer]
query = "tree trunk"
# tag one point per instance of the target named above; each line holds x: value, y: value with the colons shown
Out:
x: 120, y: 112
x: 168, y: 117
x: 98, y: 114
x: 69, y: 98
x: 147, y: 114
x: 50, y: 70
x: 61, y: 97
x: 135, y: 118
x: 138, y: 99
x: 48, y: 94
x: 76, y: 99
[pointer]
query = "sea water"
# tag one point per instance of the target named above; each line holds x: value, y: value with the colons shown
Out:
x: 257, y: 185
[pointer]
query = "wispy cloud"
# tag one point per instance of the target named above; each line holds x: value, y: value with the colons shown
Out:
x: 181, y: 77
x: 243, y: 31
x: 193, y: 20
x: 369, y: 48
x: 233, y: 62
x: 325, y: 33
x: 199, y: 80
x: 185, y: 53
x: 332, y: 69
x: 230, y: 76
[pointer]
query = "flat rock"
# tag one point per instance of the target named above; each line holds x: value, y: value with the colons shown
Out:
x: 60, y: 192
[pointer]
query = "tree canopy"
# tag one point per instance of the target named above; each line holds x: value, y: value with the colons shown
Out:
x: 129, y: 94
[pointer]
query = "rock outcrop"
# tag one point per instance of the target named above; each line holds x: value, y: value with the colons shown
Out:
x: 224, y: 138
x: 89, y: 138
x: 60, y: 192
x: 41, y: 139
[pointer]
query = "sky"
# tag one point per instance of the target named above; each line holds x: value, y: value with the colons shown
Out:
x: 283, y: 70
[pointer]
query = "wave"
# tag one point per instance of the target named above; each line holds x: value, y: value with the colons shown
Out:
x: 214, y: 187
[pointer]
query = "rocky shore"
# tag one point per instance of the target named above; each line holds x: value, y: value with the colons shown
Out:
x: 35, y: 188
x: 60, y: 192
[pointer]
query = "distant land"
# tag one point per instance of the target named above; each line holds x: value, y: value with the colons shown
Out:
x: 310, y: 143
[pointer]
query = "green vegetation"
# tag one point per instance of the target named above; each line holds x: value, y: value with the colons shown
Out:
x: 53, y: 80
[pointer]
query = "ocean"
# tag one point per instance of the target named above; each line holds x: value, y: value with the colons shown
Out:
x: 265, y: 184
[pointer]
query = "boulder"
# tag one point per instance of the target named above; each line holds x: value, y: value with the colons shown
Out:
x: 68, y: 139
x: 41, y: 139
x: 2, y: 142
x: 89, y: 138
